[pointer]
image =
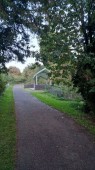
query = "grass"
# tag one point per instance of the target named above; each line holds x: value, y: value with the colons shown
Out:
x: 7, y: 130
x: 73, y: 109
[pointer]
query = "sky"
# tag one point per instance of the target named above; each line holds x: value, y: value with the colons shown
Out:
x: 29, y: 60
x: 19, y: 65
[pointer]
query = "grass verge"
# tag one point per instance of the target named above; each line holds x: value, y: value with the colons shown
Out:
x: 7, y: 130
x: 71, y: 108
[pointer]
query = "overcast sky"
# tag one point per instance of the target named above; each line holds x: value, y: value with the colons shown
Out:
x: 20, y: 65
x: 29, y: 60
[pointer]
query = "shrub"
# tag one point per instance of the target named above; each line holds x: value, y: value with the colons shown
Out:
x: 2, y: 84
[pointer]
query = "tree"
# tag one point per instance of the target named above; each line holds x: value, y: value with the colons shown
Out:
x: 14, y: 75
x: 57, y: 41
x: 68, y: 35
x: 14, y: 71
x: 30, y: 71
x: 15, y: 23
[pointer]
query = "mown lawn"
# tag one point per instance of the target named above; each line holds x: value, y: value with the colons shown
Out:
x: 73, y: 109
x: 7, y: 130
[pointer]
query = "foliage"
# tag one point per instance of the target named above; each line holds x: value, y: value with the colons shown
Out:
x: 67, y: 40
x: 30, y: 71
x: 2, y: 84
x: 85, y: 80
x: 55, y: 41
x: 14, y: 70
x: 14, y: 30
x: 64, y: 92
x: 14, y: 75
x: 7, y: 130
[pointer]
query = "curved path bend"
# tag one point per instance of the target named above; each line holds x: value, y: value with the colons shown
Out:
x: 47, y: 139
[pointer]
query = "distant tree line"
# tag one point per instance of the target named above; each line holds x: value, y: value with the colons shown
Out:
x: 14, y: 76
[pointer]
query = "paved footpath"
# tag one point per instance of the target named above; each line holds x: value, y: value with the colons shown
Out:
x: 49, y: 140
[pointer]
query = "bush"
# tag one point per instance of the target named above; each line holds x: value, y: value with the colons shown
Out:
x: 2, y: 84
x: 84, y: 79
x: 64, y: 92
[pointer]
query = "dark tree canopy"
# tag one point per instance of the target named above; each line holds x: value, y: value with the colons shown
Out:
x: 14, y: 31
x: 67, y: 36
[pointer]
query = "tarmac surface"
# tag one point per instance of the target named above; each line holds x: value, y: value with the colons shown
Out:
x: 49, y: 140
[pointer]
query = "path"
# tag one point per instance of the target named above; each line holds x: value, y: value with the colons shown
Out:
x: 47, y: 139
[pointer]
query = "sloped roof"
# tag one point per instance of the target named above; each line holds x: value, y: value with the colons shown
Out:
x: 44, y: 69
